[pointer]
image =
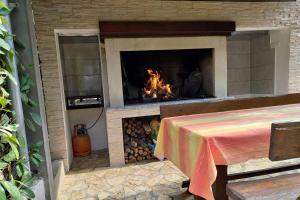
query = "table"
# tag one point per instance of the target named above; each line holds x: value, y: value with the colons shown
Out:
x: 197, y: 143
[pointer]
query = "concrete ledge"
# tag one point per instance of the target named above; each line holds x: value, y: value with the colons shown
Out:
x: 114, y: 118
x: 38, y: 187
x: 58, y: 174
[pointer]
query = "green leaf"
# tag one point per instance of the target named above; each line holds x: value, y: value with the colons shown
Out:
x: 26, y: 178
x: 3, y: 130
x: 3, y: 165
x: 4, y: 120
x: 27, y: 193
x: 39, y: 144
x: 3, y: 20
x: 32, y: 103
x: 24, y: 98
x: 10, y: 156
x: 35, y: 161
x: 10, y: 127
x: 4, y: 92
x: 36, y: 118
x: 4, y: 10
x: 38, y: 156
x: 2, y: 193
x: 1, y: 79
x: 18, y: 44
x: 30, y: 125
x: 26, y: 83
x: 2, y: 28
x: 2, y: 147
x: 2, y: 5
x: 12, y: 189
x: 22, y: 142
x: 14, y: 148
x: 4, y: 45
x: 19, y: 170
x: 10, y: 76
x: 3, y: 102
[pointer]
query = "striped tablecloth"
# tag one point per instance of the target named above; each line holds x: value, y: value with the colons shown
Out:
x: 197, y: 143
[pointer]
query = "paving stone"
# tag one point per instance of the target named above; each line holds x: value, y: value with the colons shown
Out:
x: 139, y: 182
x: 78, y: 194
x: 118, y: 180
x: 104, y: 195
x: 156, y: 180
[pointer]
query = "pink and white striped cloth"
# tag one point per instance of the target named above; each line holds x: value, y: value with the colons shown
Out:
x: 197, y: 143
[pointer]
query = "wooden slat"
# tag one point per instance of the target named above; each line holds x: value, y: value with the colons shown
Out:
x: 285, y: 187
x: 239, y: 0
x: 262, y: 172
x: 119, y: 29
x: 250, y: 174
x: 227, y: 105
x: 285, y: 141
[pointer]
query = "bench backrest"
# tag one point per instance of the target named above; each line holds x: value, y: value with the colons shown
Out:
x: 285, y: 141
x: 227, y: 105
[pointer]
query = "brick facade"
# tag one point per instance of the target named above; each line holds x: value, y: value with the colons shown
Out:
x: 85, y: 14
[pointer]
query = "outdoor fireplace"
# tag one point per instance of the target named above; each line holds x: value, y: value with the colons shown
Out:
x: 169, y: 55
x: 174, y: 62
x: 192, y: 69
x: 166, y: 75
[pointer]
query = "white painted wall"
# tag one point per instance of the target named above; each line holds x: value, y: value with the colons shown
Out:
x: 251, y: 64
x: 262, y: 65
x: 280, y: 41
x: 89, y: 116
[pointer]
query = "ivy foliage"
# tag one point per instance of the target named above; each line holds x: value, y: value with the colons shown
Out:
x: 15, y: 177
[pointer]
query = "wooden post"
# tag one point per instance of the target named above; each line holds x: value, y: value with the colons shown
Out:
x: 221, y: 182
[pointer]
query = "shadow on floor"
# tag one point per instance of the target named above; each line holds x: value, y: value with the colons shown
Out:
x: 97, y: 159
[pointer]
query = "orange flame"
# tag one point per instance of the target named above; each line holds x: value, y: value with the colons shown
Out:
x: 155, y: 86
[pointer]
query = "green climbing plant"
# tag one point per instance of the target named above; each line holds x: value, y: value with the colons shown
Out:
x: 15, y: 177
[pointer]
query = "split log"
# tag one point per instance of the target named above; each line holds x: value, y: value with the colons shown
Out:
x: 136, y: 140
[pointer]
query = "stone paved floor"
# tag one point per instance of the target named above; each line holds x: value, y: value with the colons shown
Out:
x: 89, y: 163
x: 143, y: 181
x: 155, y: 180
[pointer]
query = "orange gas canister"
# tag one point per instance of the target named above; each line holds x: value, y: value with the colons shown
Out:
x: 81, y: 141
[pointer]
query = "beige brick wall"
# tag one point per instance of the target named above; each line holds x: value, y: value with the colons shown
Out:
x: 54, y: 14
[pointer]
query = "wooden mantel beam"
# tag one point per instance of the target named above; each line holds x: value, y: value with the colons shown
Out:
x: 121, y: 29
x: 238, y: 0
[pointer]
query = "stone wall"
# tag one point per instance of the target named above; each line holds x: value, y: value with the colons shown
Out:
x: 85, y: 14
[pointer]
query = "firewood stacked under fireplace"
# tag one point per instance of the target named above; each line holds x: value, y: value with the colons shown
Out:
x: 137, y: 140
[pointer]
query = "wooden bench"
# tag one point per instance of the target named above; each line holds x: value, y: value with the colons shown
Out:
x: 228, y: 105
x: 285, y: 144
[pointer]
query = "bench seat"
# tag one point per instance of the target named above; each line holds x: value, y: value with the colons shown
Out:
x: 285, y: 187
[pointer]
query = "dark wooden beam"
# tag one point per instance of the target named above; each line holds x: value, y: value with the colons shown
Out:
x: 120, y: 29
x: 227, y: 105
x: 238, y: 0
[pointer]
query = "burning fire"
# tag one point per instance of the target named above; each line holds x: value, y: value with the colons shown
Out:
x: 156, y: 87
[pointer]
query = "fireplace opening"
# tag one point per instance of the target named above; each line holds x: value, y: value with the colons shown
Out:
x: 139, y: 136
x: 166, y: 75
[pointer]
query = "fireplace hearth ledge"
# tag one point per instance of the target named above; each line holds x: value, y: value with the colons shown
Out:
x: 114, y: 118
